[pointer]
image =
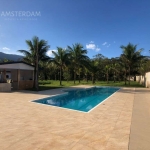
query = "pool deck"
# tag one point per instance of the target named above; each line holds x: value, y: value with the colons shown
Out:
x: 121, y: 122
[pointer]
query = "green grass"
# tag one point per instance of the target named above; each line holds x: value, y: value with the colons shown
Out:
x: 45, y: 87
x: 52, y: 84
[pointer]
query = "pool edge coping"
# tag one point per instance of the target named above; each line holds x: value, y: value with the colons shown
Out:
x: 32, y: 101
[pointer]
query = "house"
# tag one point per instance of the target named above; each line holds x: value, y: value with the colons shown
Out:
x: 16, y: 76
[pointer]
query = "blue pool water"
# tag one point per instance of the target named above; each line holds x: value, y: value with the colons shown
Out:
x: 81, y: 99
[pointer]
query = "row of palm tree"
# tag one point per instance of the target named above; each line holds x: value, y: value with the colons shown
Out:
x: 74, y: 57
x: 73, y: 61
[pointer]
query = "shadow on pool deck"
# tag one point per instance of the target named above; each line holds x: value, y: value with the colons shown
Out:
x: 51, y: 91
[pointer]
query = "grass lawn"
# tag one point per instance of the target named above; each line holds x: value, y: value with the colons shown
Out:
x: 52, y: 84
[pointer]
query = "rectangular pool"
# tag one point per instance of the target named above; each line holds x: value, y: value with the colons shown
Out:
x: 79, y: 99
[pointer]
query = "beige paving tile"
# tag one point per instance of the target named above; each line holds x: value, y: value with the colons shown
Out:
x: 81, y: 147
x: 92, y: 137
x: 120, y: 142
x: 30, y: 126
x: 113, y: 148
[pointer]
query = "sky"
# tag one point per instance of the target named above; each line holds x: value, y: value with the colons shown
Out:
x: 101, y: 26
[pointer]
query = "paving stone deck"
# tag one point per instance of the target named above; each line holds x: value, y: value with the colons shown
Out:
x: 117, y: 124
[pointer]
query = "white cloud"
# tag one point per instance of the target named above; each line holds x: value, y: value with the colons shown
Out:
x: 11, y: 50
x: 104, y: 43
x: 6, y: 48
x: 92, y: 46
x: 92, y: 42
x: 97, y: 49
x: 50, y: 54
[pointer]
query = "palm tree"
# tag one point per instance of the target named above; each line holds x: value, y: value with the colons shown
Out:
x: 54, y: 70
x: 93, y: 68
x: 66, y: 73
x: 36, y: 53
x: 101, y: 62
x: 86, y: 72
x: 124, y: 67
x: 107, y: 69
x: 45, y: 70
x: 131, y: 56
x: 78, y: 58
x: 60, y: 58
x: 115, y: 67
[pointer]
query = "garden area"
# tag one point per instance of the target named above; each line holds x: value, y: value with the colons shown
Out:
x: 52, y: 84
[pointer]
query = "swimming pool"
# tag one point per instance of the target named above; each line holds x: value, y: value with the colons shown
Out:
x: 79, y: 99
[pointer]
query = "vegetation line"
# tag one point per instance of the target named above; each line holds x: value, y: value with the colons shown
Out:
x: 73, y: 63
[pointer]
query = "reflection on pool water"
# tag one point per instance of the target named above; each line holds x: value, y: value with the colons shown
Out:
x: 79, y: 99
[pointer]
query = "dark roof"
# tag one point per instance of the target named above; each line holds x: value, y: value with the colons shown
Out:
x: 16, y: 62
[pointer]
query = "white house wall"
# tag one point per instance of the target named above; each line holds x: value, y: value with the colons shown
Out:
x: 144, y: 80
x: 147, y: 79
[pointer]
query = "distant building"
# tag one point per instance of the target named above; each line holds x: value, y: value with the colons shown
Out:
x: 19, y: 75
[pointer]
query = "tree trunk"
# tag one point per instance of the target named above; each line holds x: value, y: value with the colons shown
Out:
x: 55, y: 77
x: 60, y: 75
x: 134, y: 78
x: 74, y: 77
x: 34, y: 80
x: 45, y: 76
x: 79, y: 77
x: 87, y: 78
x: 93, y: 79
x: 114, y: 77
x: 36, y: 72
x: 129, y: 75
x: 125, y: 77
x: 107, y: 78
x: 37, y: 75
x: 119, y: 77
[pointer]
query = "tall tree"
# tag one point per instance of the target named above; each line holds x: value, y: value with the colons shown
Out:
x: 115, y: 67
x: 107, y: 70
x: 144, y: 66
x: 124, y: 67
x: 60, y: 58
x: 36, y: 53
x: 131, y: 56
x: 78, y: 58
x: 101, y: 62
x: 66, y: 73
x: 86, y: 72
x: 93, y: 68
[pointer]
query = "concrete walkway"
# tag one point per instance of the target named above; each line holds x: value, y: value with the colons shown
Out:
x: 31, y: 126
x: 140, y: 125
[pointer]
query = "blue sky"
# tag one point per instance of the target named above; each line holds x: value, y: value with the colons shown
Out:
x: 101, y: 26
